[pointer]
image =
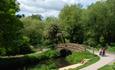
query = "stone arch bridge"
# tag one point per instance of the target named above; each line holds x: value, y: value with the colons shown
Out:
x: 71, y: 47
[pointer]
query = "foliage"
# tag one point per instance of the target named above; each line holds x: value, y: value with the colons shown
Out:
x: 10, y: 34
x: 100, y: 23
x: 11, y: 37
x: 52, y: 33
x: 91, y: 61
x: 2, y: 51
x: 28, y: 59
x: 93, y: 25
x: 77, y: 57
x: 38, y: 17
x: 45, y: 55
x: 71, y: 21
x: 33, y: 29
x: 51, y: 53
x: 9, y: 7
x: 111, y: 49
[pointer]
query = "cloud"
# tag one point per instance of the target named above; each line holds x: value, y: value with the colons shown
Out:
x: 47, y: 7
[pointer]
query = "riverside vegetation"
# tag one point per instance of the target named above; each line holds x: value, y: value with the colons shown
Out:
x: 22, y: 36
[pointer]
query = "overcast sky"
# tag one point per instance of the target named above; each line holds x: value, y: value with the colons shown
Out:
x: 48, y: 7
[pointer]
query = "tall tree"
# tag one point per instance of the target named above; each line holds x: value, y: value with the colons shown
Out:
x: 33, y: 29
x: 53, y: 32
x: 9, y: 7
x: 10, y: 26
x: 100, y: 22
x: 111, y: 16
x: 70, y: 18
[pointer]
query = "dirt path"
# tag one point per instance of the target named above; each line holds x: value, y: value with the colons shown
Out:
x: 103, y: 61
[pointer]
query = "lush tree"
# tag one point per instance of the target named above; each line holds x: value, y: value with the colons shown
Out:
x: 96, y: 24
x: 53, y: 32
x: 10, y: 32
x: 70, y: 18
x: 38, y: 17
x: 10, y: 27
x: 33, y: 29
x: 9, y: 7
x: 111, y: 22
x: 99, y: 23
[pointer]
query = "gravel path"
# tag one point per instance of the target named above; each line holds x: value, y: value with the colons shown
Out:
x: 104, y: 60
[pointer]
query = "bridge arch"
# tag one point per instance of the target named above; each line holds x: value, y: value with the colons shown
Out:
x: 65, y: 52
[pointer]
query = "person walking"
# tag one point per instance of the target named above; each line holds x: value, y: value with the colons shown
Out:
x: 100, y: 51
x: 103, y: 53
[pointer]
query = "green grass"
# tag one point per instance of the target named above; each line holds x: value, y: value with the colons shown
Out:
x: 108, y: 67
x: 91, y: 61
x: 77, y: 57
x: 111, y: 49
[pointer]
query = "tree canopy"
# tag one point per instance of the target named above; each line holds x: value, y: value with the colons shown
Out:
x: 10, y: 27
x: 70, y: 18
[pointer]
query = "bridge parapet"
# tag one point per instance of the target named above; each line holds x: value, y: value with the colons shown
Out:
x: 71, y: 47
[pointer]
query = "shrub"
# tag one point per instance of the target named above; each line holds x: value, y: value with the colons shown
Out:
x: 2, y: 51
x: 51, y: 53
x: 41, y: 56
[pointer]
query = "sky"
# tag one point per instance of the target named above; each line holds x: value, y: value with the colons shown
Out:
x: 48, y: 7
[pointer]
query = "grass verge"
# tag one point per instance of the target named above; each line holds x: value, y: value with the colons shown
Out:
x: 91, y: 61
x: 108, y: 67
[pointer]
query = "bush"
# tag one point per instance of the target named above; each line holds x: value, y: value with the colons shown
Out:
x: 42, y: 56
x: 51, y: 53
x: 78, y: 57
x: 2, y: 51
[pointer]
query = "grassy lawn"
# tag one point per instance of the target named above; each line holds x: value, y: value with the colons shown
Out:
x: 93, y: 59
x: 108, y: 67
x: 77, y: 57
x: 111, y: 49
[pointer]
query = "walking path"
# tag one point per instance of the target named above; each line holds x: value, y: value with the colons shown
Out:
x: 109, y: 58
x: 104, y: 60
x: 70, y: 67
x: 74, y: 65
